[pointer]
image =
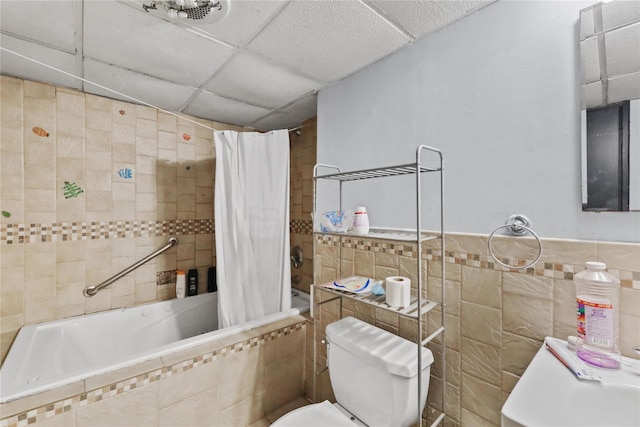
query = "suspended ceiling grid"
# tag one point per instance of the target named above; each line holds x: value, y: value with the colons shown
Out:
x: 260, y: 67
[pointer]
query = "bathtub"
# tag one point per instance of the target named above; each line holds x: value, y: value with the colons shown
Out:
x: 53, y: 354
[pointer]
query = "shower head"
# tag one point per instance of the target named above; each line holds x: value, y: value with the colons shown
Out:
x: 206, y: 10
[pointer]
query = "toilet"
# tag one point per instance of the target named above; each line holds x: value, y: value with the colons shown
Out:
x: 374, y: 375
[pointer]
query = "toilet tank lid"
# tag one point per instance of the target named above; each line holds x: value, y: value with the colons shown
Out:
x: 378, y: 347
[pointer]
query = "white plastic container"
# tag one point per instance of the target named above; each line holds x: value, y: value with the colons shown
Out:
x: 181, y: 284
x: 598, y: 299
x: 360, y: 221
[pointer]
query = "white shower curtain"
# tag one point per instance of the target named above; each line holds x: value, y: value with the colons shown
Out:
x: 252, y: 225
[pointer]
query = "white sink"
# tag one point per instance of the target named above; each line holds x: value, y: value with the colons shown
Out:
x: 549, y: 394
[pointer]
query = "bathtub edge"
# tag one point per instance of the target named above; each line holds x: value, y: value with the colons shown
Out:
x: 59, y: 400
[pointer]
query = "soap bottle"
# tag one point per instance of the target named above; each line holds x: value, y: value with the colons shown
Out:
x: 192, y: 282
x: 360, y: 221
x: 180, y: 284
x: 597, y: 300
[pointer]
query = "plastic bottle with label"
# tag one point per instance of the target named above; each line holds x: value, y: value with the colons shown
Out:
x: 597, y: 300
x: 181, y: 287
x: 360, y: 221
x: 192, y: 282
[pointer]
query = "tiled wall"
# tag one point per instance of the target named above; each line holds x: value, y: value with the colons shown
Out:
x: 496, y: 318
x: 234, y: 381
x: 303, y: 159
x: 90, y: 185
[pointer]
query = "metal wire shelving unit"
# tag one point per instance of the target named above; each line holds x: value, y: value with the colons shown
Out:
x: 419, y: 306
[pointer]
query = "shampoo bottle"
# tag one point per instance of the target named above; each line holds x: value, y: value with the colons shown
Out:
x: 597, y: 300
x: 181, y: 287
x: 192, y: 282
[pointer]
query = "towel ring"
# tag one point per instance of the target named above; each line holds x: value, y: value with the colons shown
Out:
x: 517, y: 225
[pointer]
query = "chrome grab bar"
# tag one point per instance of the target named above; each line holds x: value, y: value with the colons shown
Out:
x: 90, y: 291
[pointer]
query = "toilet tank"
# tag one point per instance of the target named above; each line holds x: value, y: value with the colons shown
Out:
x: 374, y: 373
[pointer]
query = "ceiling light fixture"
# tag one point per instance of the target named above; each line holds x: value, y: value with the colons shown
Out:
x: 212, y: 10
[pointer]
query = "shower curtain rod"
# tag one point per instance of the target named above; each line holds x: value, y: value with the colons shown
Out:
x: 51, y: 67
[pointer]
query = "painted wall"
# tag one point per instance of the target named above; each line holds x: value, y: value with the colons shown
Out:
x: 499, y: 93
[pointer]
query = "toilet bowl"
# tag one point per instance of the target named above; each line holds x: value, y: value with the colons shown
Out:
x: 374, y: 376
x: 322, y: 414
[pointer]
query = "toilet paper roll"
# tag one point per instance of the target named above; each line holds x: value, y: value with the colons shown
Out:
x: 398, y: 291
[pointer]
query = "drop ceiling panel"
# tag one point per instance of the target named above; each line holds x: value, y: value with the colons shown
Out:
x: 134, y: 87
x: 213, y: 107
x: 587, y: 26
x: 589, y: 60
x: 50, y: 22
x: 148, y: 45
x: 591, y: 95
x: 618, y: 13
x: 623, y: 88
x: 14, y: 65
x: 252, y: 79
x: 618, y: 44
x: 276, y: 120
x: 266, y: 59
x: 245, y: 19
x: 424, y: 17
x: 327, y: 40
x: 304, y: 108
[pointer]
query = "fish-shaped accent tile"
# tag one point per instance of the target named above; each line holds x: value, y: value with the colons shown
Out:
x: 40, y: 132
x: 125, y: 173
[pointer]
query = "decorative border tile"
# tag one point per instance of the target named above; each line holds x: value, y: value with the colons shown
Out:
x: 56, y: 408
x: 63, y: 231
x: 628, y: 279
x: 165, y: 277
x: 301, y: 226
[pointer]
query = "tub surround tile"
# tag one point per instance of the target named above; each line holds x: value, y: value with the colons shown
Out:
x: 198, y: 410
x: 107, y: 379
x: 244, y: 413
x: 280, y: 392
x: 172, y: 384
x: 64, y: 419
x: 136, y: 407
x: 38, y: 401
x: 189, y: 383
x: 284, y: 347
x: 213, y: 347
